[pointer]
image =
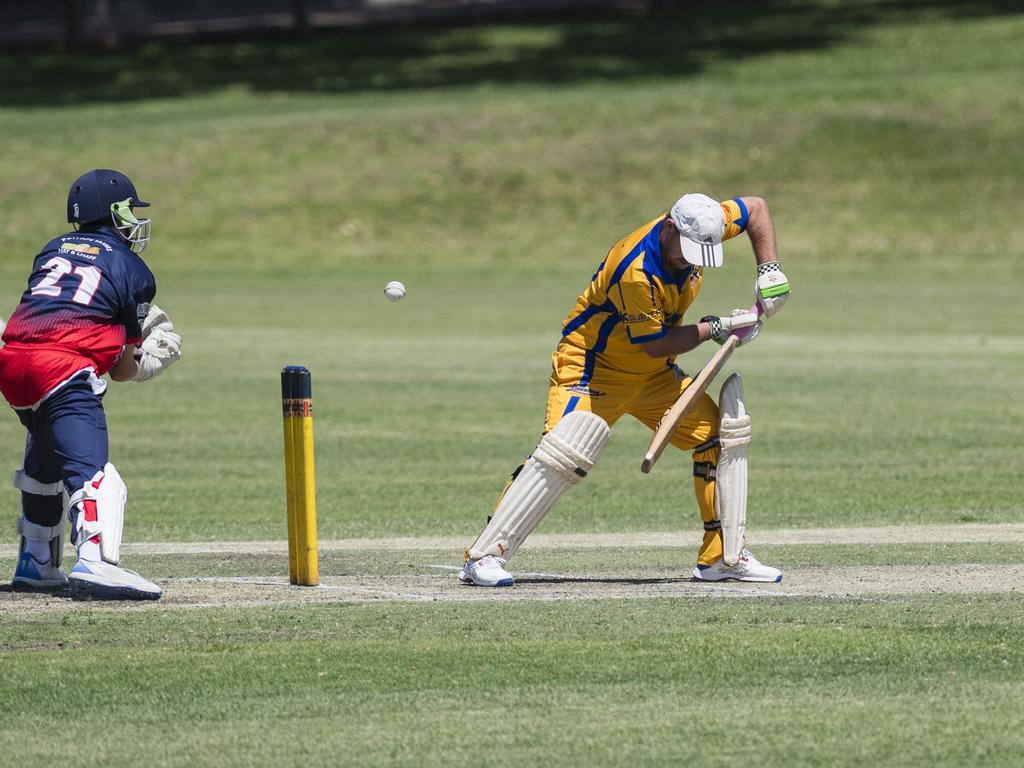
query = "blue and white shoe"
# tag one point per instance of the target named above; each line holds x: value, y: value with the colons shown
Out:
x: 488, y: 571
x: 102, y: 581
x: 40, y: 576
x: 747, y: 569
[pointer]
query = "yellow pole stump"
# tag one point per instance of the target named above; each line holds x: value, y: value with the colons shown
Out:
x: 300, y: 475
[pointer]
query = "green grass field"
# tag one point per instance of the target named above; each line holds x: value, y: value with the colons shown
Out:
x: 489, y: 168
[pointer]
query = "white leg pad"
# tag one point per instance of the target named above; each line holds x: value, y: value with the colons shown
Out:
x: 564, y: 456
x: 110, y: 494
x: 731, y: 480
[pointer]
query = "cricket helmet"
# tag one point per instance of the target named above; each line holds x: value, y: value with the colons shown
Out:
x: 103, y: 194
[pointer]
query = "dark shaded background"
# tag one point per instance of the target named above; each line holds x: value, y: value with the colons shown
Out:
x: 584, y: 41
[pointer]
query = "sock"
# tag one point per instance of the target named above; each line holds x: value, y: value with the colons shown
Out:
x: 40, y: 550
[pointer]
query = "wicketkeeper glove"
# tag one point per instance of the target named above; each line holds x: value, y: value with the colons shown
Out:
x: 772, y: 287
x: 158, y: 351
x: 156, y: 318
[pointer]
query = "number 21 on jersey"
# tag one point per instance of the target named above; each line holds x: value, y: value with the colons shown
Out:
x: 88, y: 280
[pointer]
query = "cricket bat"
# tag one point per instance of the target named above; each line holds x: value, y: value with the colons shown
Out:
x: 684, y: 403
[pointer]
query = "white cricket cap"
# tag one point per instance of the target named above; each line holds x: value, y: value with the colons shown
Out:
x: 701, y: 224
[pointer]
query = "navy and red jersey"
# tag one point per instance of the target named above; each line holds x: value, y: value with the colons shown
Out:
x: 87, y: 297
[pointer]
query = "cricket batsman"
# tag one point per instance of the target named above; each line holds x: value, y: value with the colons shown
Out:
x: 87, y: 311
x: 617, y: 357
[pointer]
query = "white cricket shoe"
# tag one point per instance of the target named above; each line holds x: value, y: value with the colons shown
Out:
x: 488, y: 571
x: 103, y: 581
x: 34, y: 575
x: 747, y: 569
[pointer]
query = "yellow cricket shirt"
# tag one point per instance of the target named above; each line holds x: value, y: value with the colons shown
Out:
x: 632, y: 298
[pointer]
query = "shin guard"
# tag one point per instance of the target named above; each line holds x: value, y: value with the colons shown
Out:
x: 47, y: 499
x: 564, y: 456
x: 731, y: 481
x: 101, y: 512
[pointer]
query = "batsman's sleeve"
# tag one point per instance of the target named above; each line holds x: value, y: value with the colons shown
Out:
x: 736, y: 216
x: 639, y: 303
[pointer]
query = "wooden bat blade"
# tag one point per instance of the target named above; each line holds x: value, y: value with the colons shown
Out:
x: 684, y: 403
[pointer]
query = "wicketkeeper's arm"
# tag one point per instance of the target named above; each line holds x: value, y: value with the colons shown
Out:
x: 126, y: 366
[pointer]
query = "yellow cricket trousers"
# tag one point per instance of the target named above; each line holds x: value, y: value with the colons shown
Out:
x: 611, y: 394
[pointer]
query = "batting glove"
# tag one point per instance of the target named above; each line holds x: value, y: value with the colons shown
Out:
x: 772, y: 288
x: 741, y: 322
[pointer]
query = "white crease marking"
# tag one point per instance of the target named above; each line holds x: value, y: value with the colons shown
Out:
x: 914, y: 534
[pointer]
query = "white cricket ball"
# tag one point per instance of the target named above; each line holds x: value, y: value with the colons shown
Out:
x: 394, y: 290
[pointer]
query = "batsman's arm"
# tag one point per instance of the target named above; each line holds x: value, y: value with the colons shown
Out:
x: 678, y: 340
x: 761, y: 230
x: 772, y: 286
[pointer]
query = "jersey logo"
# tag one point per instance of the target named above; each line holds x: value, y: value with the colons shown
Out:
x: 655, y: 315
x: 80, y: 248
x: 79, y: 243
x: 584, y: 389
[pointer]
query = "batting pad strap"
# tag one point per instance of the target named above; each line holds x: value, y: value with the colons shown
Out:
x: 29, y: 484
x: 712, y: 525
x: 712, y: 443
x: 705, y: 470
x: 34, y: 532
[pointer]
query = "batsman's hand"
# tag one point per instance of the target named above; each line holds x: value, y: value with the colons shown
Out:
x: 159, y: 350
x: 771, y: 288
x: 741, y: 322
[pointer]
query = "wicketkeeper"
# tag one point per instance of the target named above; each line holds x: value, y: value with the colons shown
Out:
x: 87, y: 311
x: 617, y: 357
